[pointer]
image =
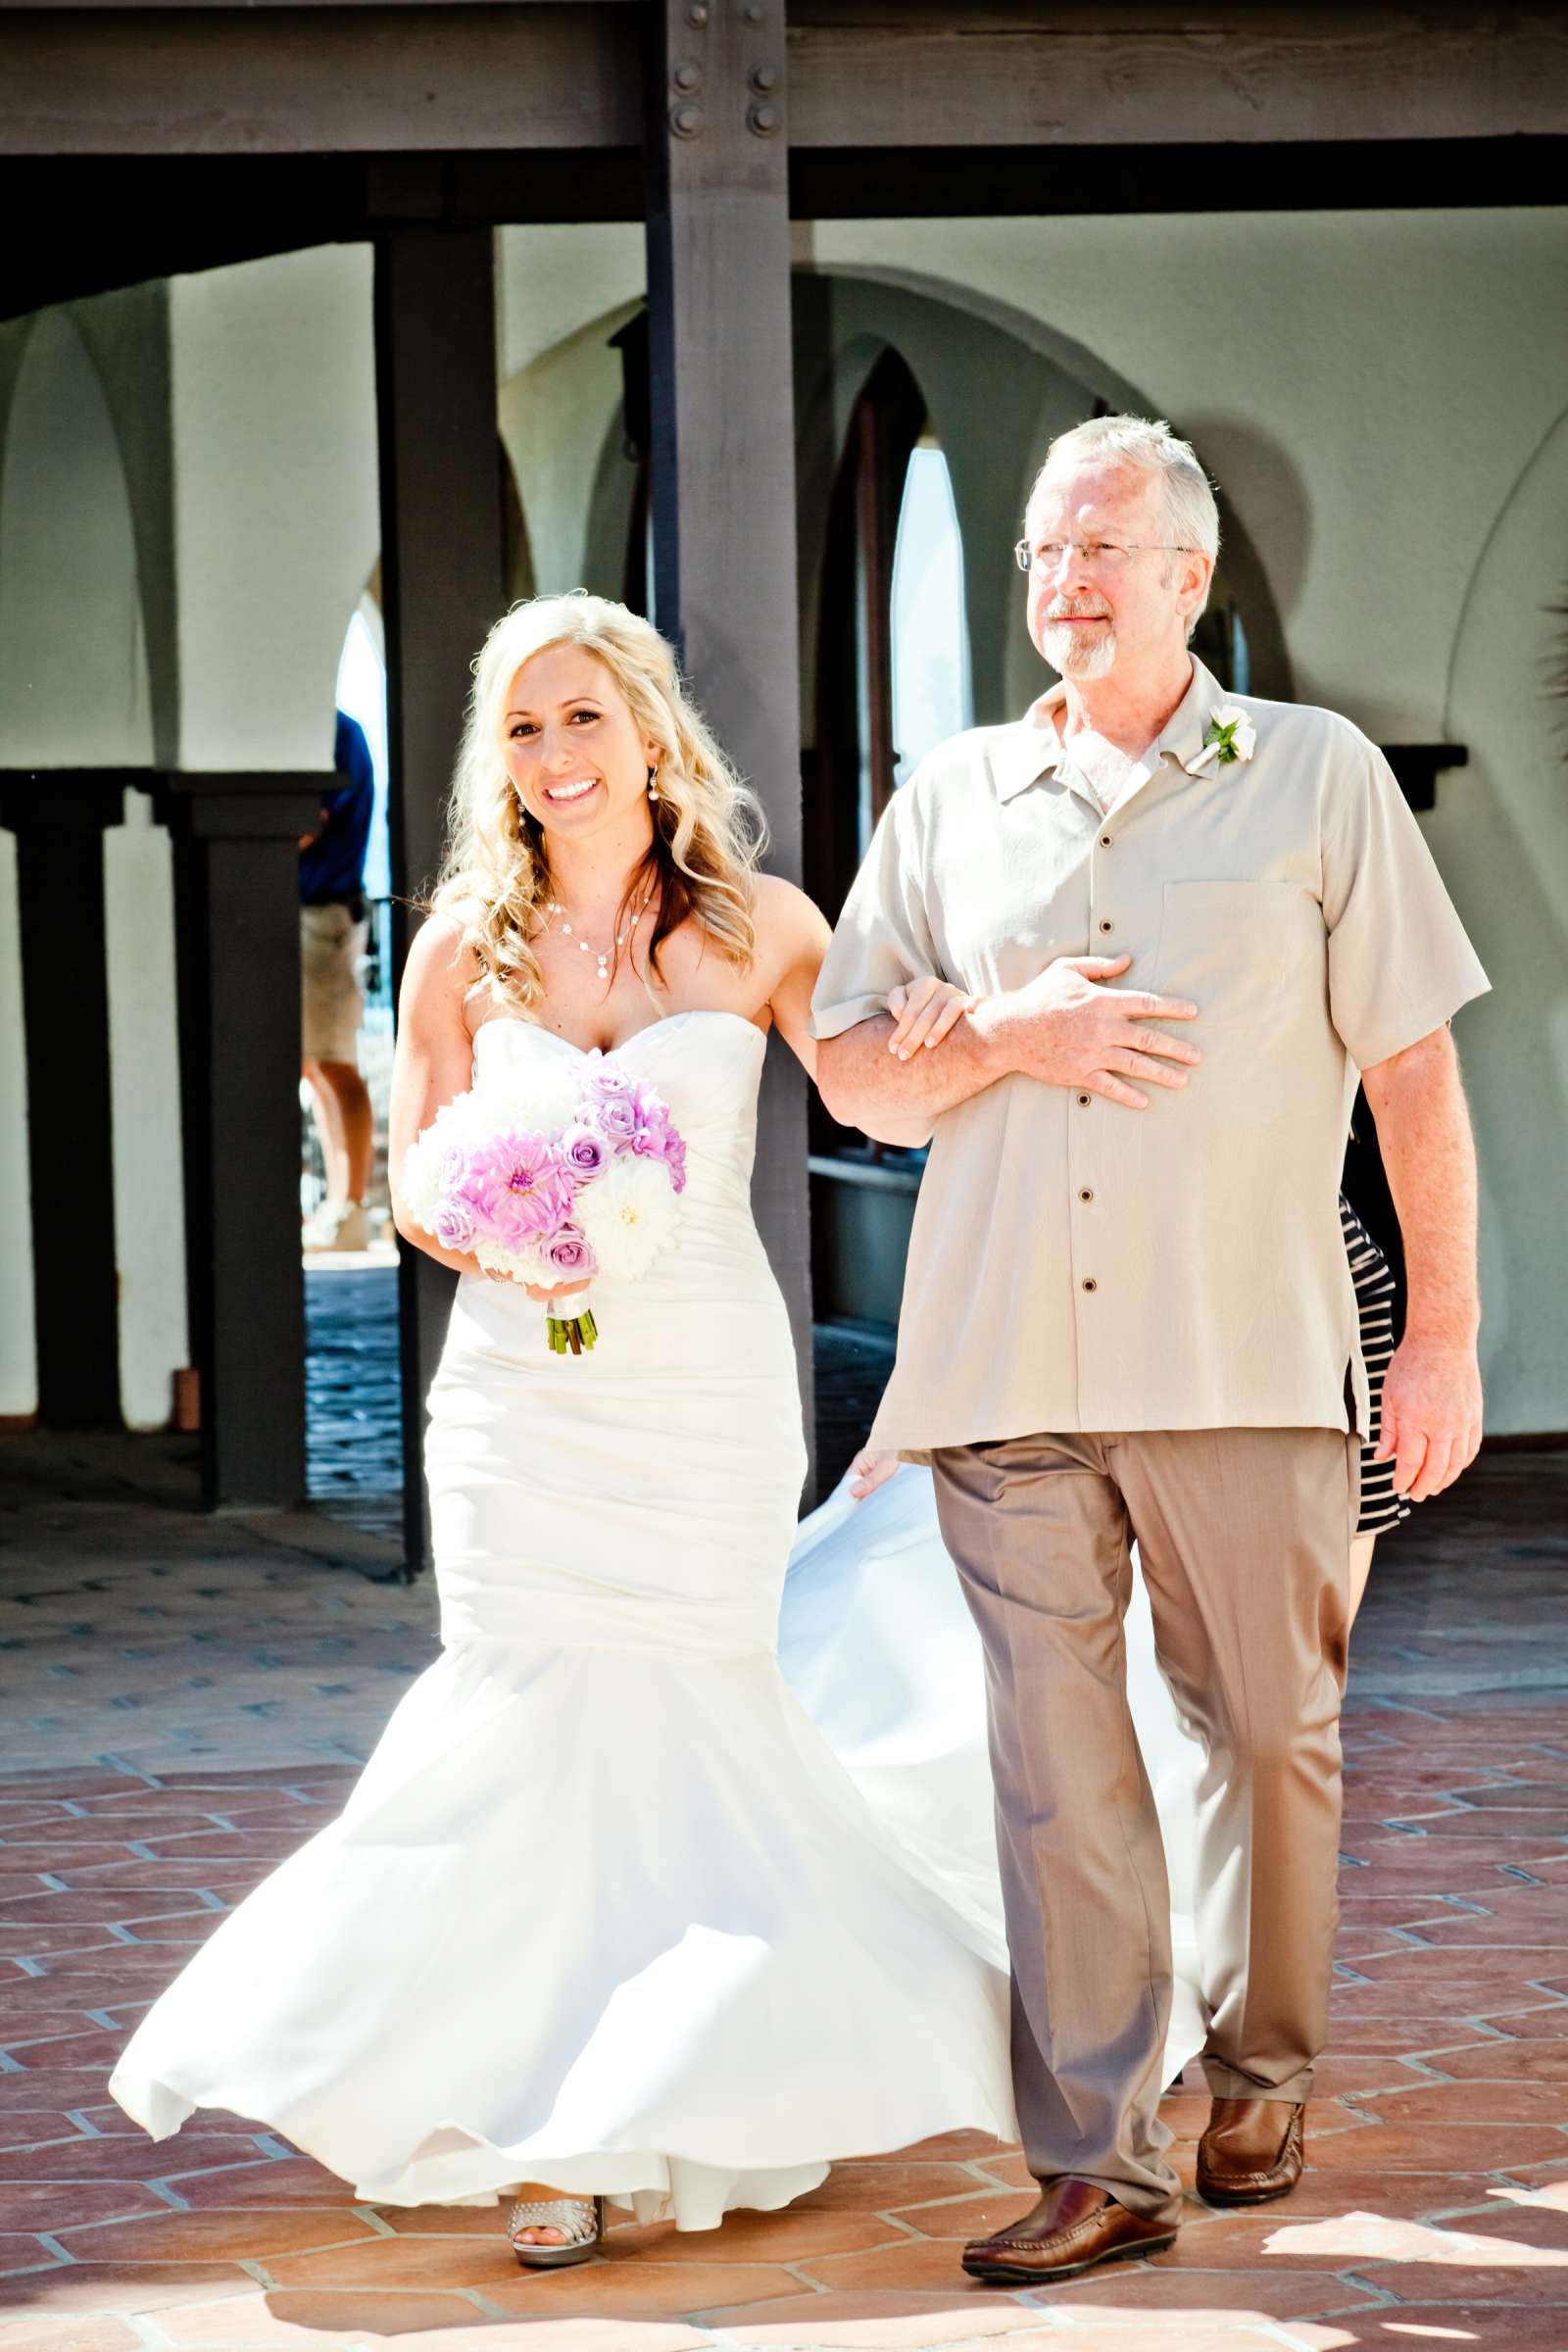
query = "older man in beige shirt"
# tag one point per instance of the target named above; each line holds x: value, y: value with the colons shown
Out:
x: 1188, y: 920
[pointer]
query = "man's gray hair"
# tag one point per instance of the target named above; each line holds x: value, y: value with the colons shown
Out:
x: 1193, y: 517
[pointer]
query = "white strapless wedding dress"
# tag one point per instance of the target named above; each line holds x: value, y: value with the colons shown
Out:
x: 617, y: 1904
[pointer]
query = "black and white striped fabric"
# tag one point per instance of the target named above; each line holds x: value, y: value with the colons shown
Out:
x: 1381, y: 1508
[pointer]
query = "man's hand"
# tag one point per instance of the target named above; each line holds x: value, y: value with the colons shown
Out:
x: 1432, y: 1394
x: 869, y: 1470
x: 1431, y: 1415
x: 1065, y: 1028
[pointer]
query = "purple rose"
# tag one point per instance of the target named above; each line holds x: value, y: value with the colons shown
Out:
x: 454, y: 1225
x: 583, y: 1153
x: 615, y: 1119
x: 569, y: 1256
x: 605, y: 1083
x: 652, y: 1108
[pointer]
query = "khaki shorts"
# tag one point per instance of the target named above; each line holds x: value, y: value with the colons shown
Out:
x: 331, y: 1000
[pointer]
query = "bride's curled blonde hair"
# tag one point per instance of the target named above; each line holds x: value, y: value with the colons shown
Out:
x: 709, y: 829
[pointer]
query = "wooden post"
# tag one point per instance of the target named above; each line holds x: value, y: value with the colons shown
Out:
x: 57, y: 818
x: 443, y: 587
x: 723, y: 472
x: 240, y: 986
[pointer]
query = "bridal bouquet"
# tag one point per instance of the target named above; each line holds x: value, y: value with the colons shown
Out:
x: 552, y: 1178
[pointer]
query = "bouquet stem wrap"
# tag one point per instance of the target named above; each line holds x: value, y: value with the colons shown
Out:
x: 569, y: 1324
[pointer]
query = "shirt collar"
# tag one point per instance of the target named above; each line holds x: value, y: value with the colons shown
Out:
x: 1031, y: 748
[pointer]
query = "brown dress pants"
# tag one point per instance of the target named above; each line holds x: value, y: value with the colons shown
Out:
x: 1244, y: 1540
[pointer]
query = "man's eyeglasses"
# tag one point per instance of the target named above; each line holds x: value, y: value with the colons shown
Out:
x: 1099, y: 555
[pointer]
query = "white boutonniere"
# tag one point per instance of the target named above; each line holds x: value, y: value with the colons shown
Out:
x: 1231, y: 736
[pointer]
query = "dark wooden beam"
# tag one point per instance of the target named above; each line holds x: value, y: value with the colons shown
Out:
x: 237, y: 869
x: 102, y: 222
x: 910, y: 183
x: 546, y: 74
x: 443, y: 586
x: 1118, y: 72
x: 57, y: 818
x: 866, y: 75
x: 158, y: 8
x: 723, y: 469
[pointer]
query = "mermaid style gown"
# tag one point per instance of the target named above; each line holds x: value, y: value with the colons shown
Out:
x: 617, y: 1904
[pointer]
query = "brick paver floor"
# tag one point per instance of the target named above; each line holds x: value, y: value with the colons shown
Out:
x: 184, y: 1701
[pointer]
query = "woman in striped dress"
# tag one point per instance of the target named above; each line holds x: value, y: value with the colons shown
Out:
x: 1381, y: 1507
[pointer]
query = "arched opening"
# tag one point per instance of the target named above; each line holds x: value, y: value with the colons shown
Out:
x: 892, y: 680
x: 853, y: 775
x: 354, y: 1455
x: 74, y: 696
x: 360, y: 696
x: 928, y: 626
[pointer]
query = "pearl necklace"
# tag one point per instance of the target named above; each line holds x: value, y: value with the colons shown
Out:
x: 602, y: 954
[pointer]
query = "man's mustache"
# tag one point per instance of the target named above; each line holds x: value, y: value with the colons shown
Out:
x: 1075, y: 609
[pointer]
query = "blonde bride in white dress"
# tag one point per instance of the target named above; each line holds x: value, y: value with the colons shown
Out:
x: 615, y: 1910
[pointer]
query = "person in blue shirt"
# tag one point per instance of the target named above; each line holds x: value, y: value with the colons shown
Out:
x: 333, y: 940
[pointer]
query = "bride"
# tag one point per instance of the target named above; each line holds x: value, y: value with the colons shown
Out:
x: 673, y: 1879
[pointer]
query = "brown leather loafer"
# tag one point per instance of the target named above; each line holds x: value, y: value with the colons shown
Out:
x: 1073, y: 2226
x: 1252, y: 2151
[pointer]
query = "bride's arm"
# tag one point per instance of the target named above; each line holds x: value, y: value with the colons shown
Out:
x: 791, y: 937
x: 433, y: 1062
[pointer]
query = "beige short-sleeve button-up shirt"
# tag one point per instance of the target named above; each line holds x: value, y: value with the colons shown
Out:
x: 1076, y: 1265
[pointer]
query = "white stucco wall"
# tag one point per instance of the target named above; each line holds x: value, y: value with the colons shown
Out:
x: 75, y: 694
x: 277, y: 526
x: 555, y: 416
x: 73, y: 688
x: 552, y: 280
x: 144, y: 1099
x: 1501, y: 834
x: 1367, y: 387
x: 1379, y: 396
x: 562, y: 291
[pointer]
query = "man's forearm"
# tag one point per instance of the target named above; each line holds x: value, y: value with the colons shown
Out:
x: 863, y: 1085
x: 1429, y: 1156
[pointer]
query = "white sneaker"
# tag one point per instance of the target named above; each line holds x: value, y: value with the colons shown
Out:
x: 337, y: 1225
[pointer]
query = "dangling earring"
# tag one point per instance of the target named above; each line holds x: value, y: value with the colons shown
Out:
x: 653, y: 783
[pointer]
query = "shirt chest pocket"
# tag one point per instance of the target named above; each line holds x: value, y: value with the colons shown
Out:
x: 1237, y: 950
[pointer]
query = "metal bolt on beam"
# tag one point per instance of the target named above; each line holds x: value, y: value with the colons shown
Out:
x: 686, y: 122
x: 764, y: 120
x: 687, y: 76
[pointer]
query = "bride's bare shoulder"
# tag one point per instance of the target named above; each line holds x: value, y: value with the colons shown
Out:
x: 442, y: 966
x: 787, y: 921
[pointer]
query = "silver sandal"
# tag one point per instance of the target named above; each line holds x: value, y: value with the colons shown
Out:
x: 580, y: 2220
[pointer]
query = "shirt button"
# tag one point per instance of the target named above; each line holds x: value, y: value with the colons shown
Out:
x: 1089, y: 1283
x: 1106, y: 923
x: 1086, y: 1194
x: 1104, y: 841
x: 1084, y: 1101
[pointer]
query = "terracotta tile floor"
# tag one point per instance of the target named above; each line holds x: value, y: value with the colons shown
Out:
x: 184, y: 1701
